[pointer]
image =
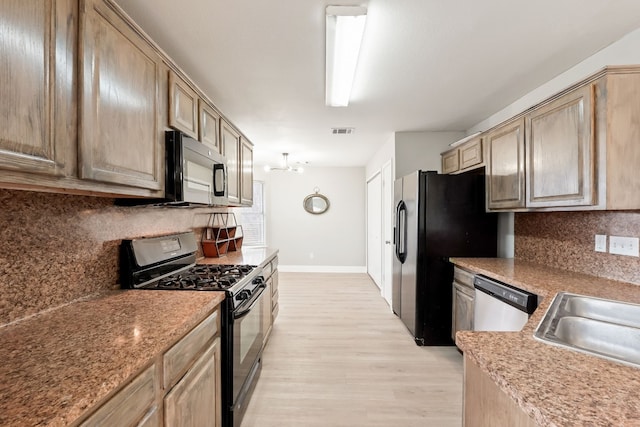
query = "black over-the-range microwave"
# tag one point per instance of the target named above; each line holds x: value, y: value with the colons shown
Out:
x: 195, y: 172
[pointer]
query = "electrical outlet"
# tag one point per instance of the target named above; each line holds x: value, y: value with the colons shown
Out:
x: 624, y: 246
x: 601, y: 243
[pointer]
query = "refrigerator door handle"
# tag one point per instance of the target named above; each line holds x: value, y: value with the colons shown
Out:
x: 401, y: 232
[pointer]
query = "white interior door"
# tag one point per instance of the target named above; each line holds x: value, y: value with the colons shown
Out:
x: 387, y: 231
x: 374, y: 229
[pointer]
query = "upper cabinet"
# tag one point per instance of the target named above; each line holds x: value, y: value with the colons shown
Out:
x: 246, y: 174
x: 560, y: 165
x: 464, y: 157
x: 505, y: 166
x: 120, y: 135
x: 575, y: 151
x: 37, y: 47
x: 230, y: 140
x: 87, y: 97
x: 183, y: 106
x: 209, y: 125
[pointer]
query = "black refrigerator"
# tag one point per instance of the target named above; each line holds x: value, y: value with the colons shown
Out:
x: 436, y: 217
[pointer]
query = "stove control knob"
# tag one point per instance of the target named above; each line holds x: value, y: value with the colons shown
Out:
x: 243, y: 295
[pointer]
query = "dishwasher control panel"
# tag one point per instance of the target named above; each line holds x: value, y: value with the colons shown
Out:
x: 518, y: 298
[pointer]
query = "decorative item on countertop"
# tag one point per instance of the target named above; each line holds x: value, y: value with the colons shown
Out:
x: 316, y: 203
x: 221, y: 235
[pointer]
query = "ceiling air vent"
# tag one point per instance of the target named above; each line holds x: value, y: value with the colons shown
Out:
x: 342, y: 131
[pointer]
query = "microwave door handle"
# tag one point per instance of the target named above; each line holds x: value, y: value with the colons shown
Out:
x: 216, y: 192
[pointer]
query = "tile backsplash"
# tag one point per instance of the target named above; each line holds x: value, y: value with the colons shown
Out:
x: 56, y: 248
x: 567, y: 239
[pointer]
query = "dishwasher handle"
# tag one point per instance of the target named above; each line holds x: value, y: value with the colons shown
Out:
x: 518, y: 298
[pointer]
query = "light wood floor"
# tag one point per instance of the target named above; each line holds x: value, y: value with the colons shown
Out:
x: 338, y: 356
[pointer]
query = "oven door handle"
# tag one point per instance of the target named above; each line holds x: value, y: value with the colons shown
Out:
x: 252, y: 302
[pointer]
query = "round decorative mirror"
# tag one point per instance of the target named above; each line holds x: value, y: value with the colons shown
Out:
x: 316, y: 203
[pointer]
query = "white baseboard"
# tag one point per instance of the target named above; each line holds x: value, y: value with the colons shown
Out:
x: 322, y: 268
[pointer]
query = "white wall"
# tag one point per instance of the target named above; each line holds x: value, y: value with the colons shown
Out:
x: 382, y: 156
x: 334, y: 241
x: 623, y: 52
x: 421, y: 150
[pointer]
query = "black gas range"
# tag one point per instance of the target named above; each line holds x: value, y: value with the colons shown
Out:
x: 169, y: 263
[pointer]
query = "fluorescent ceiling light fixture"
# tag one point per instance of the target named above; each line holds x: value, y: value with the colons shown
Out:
x: 285, y: 166
x: 345, y: 28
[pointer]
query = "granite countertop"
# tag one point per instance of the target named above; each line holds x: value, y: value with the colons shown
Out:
x: 58, y: 364
x: 246, y: 256
x: 555, y: 386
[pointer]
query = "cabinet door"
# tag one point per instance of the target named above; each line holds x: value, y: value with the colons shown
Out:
x: 230, y: 139
x: 183, y: 106
x: 486, y: 405
x: 120, y: 139
x: 450, y: 161
x: 266, y: 311
x: 463, y: 308
x: 130, y: 406
x: 471, y: 154
x: 560, y: 147
x: 505, y: 169
x: 195, y: 401
x: 37, y: 86
x: 209, y: 125
x: 246, y: 177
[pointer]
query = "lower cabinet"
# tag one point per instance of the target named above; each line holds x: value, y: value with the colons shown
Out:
x: 180, y: 389
x: 131, y: 406
x: 462, y: 302
x: 195, y: 400
x: 270, y: 308
x: 486, y: 405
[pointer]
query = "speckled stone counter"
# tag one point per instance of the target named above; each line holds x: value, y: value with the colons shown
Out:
x: 58, y: 364
x: 246, y: 256
x: 555, y: 386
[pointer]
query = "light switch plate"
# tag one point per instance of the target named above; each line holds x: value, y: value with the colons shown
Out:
x: 601, y: 243
x: 624, y: 246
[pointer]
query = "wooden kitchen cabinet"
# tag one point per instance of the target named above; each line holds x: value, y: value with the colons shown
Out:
x: 183, y: 106
x: 465, y: 157
x: 196, y: 400
x: 580, y: 149
x: 246, y: 175
x: 506, y: 166
x: 270, y: 308
x: 560, y: 151
x: 38, y: 41
x: 120, y: 134
x: 450, y: 161
x: 486, y: 405
x: 209, y: 129
x: 131, y: 406
x: 230, y: 140
x: 463, y: 300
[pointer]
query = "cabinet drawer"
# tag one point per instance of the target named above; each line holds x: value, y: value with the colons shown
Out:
x: 129, y: 405
x: 274, y: 312
x: 463, y: 277
x: 179, y: 357
x: 274, y: 282
x: 274, y: 299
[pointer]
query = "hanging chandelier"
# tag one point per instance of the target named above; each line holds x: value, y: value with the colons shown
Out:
x: 285, y: 166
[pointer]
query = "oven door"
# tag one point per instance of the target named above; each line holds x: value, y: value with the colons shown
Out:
x: 247, y: 345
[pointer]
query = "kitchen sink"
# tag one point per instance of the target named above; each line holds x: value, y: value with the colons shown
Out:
x: 604, y: 328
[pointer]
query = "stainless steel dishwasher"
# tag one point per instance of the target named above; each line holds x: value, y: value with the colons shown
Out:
x: 501, y: 307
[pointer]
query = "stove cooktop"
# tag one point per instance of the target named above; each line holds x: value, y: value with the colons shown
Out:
x: 204, y: 278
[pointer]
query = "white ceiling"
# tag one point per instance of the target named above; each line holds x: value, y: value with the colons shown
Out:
x: 424, y: 65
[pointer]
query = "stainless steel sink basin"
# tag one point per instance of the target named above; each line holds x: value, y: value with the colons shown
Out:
x: 604, y: 328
